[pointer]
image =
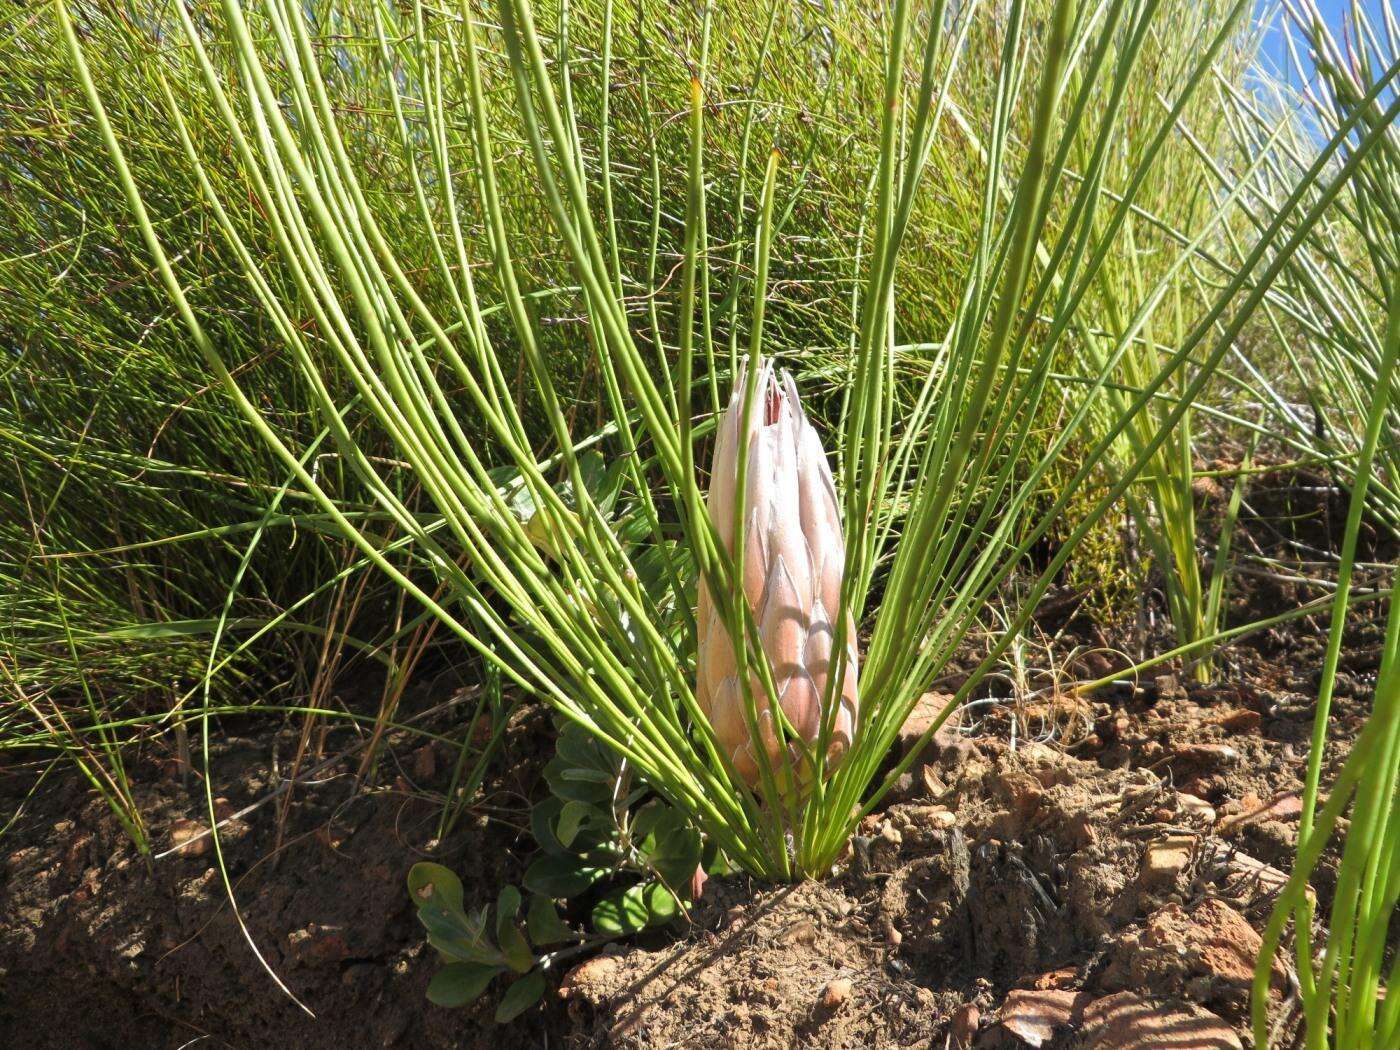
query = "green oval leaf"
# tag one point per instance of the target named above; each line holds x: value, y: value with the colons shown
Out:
x: 514, y: 948
x: 635, y: 908
x: 571, y: 816
x: 460, y: 983
x: 437, y: 893
x: 646, y: 820
x: 543, y: 816
x: 564, y: 876
x: 507, y: 904
x: 520, y: 996
x: 579, y: 784
x: 429, y: 882
x: 543, y: 923
x: 575, y: 749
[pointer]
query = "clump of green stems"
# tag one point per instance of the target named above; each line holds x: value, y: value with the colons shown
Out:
x: 1173, y: 203
x: 1328, y: 313
x: 132, y: 490
x: 591, y: 608
x: 1343, y: 295
x: 140, y: 516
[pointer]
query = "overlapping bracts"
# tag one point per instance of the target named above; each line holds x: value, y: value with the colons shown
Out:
x: 793, y: 558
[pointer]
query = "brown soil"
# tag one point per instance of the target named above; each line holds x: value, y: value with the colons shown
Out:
x: 99, y: 948
x: 1027, y: 869
x: 1061, y: 873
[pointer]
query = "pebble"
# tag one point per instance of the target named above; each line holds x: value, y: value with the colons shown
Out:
x: 964, y: 1025
x: 1209, y: 754
x: 803, y: 932
x: 1243, y: 875
x: 1287, y: 807
x: 1193, y: 806
x: 590, y: 977
x: 1166, y: 859
x: 425, y: 762
x: 1034, y: 1016
x: 185, y: 837
x: 1215, y: 939
x: 836, y: 993
x: 318, y: 944
x: 1239, y: 720
x: 948, y: 745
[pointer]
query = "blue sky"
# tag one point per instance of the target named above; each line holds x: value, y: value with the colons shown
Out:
x: 1337, y: 13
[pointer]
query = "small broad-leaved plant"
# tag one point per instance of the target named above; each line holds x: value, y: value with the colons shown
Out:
x: 601, y: 826
x: 477, y: 949
x: 604, y: 836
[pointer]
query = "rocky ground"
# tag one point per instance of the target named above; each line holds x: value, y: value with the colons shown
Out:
x: 1102, y: 887
x: 1017, y: 897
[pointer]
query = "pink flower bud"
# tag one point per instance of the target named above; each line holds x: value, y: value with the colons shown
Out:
x: 794, y: 555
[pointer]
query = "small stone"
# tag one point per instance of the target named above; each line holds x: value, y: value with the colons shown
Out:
x: 927, y: 711
x: 1034, y: 1016
x: 591, y: 978
x: 1096, y: 664
x: 1057, y: 979
x: 1286, y: 807
x: 836, y: 993
x: 1239, y: 720
x: 483, y: 732
x: 1206, y: 488
x: 318, y: 945
x: 185, y: 837
x: 942, y: 817
x: 1196, y: 807
x: 1082, y: 831
x: 904, y: 786
x: 1205, y: 954
x: 1024, y: 792
x: 1165, y: 860
x: 425, y: 762
x: 329, y: 837
x: 224, y: 809
x: 1246, y: 876
x: 1169, y: 688
x: 1209, y: 755
x: 1248, y: 802
x: 197, y: 888
x: 892, y: 935
x: 964, y: 1025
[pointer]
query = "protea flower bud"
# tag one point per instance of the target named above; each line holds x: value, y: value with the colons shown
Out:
x: 794, y: 556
